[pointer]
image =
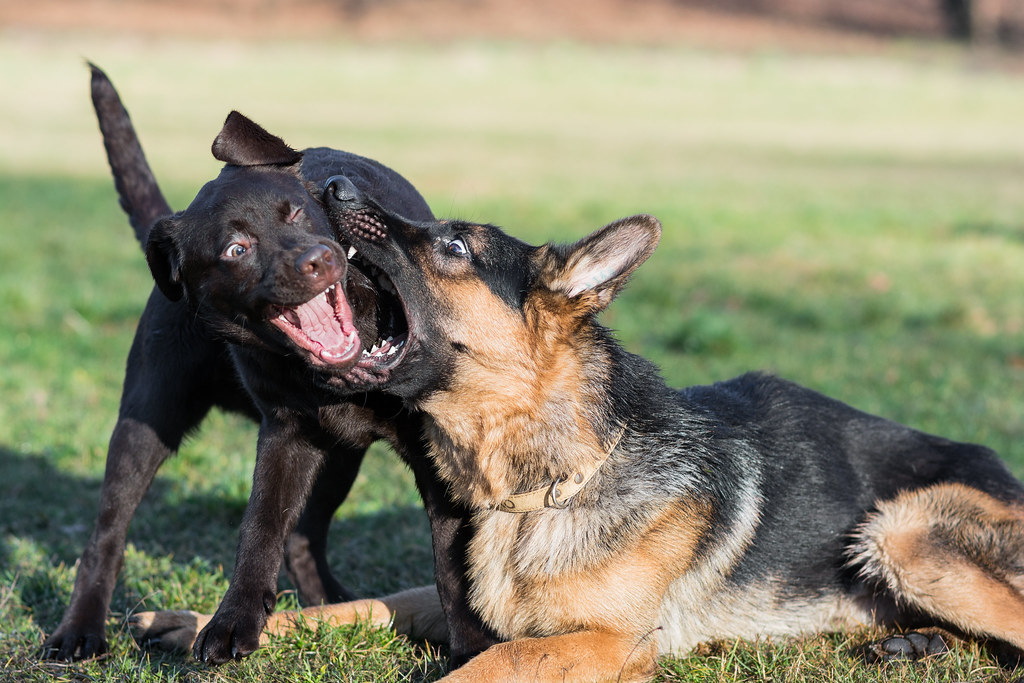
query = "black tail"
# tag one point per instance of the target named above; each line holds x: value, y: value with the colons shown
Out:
x: 140, y: 196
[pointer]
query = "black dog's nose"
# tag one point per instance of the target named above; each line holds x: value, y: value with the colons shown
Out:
x: 341, y: 188
x: 316, y: 261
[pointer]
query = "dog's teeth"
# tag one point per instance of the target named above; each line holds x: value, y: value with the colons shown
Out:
x: 351, y: 252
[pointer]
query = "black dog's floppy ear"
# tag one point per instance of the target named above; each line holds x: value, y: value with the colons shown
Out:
x: 242, y: 142
x: 164, y: 259
x: 592, y: 271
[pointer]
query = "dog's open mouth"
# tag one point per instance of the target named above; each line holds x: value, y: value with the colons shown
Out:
x: 334, y: 335
x: 392, y: 326
x: 323, y: 326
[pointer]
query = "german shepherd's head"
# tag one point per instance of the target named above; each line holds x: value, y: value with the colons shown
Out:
x: 255, y: 255
x: 502, y: 346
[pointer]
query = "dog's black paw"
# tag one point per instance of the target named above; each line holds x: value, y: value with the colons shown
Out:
x: 908, y: 646
x: 70, y: 644
x: 225, y: 639
x: 77, y: 638
x: 234, y: 631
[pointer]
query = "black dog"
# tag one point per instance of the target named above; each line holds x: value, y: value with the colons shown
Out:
x: 253, y: 286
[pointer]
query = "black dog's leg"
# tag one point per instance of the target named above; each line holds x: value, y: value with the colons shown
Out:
x: 286, y: 463
x: 305, y: 554
x: 161, y: 401
x: 451, y: 532
x: 133, y: 457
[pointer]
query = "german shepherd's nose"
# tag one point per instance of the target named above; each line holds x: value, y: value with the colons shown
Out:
x: 317, y: 263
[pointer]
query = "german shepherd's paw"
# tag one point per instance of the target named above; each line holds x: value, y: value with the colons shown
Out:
x: 171, y: 630
x: 908, y: 646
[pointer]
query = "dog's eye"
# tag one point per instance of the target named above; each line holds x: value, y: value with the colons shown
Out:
x: 236, y: 250
x: 457, y: 247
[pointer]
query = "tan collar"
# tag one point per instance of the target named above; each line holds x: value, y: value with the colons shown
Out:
x: 558, y: 493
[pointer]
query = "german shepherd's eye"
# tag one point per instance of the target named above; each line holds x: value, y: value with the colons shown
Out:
x: 457, y: 247
x: 237, y: 250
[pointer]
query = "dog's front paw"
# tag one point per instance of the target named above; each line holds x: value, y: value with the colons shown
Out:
x: 170, y: 630
x: 230, y: 634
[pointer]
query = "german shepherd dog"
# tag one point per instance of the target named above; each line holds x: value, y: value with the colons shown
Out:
x: 616, y: 518
x: 258, y: 311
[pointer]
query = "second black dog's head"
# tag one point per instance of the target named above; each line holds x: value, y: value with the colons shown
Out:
x: 255, y: 256
x: 480, y: 312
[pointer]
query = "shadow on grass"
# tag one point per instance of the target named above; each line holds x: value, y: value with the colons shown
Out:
x: 47, y: 515
x: 1010, y: 232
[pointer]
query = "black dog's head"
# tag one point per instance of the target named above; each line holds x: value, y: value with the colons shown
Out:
x: 255, y: 255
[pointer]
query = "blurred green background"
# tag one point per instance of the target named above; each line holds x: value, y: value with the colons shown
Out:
x: 845, y: 211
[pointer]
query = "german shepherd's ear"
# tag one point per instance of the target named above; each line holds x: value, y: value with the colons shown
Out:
x: 593, y: 271
x: 241, y: 142
x: 164, y: 258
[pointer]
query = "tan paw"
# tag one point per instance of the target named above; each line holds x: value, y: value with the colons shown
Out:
x: 170, y: 630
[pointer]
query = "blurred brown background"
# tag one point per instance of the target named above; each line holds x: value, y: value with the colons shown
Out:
x: 730, y: 23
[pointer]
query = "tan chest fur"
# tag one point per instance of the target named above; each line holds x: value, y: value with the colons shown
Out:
x: 537, y: 574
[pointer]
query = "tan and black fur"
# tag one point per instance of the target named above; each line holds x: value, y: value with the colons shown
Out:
x: 749, y: 508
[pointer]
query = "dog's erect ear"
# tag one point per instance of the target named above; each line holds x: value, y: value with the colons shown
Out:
x: 241, y: 142
x: 164, y: 259
x: 592, y: 271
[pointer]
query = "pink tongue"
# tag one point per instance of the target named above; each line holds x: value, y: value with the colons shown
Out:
x: 318, y: 322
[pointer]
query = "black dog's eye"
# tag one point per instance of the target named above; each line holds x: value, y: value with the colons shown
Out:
x: 236, y: 250
x: 457, y: 247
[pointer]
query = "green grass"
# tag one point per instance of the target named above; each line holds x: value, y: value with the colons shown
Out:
x: 855, y: 223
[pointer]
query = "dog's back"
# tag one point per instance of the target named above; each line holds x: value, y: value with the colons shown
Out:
x: 371, y: 177
x: 799, y: 473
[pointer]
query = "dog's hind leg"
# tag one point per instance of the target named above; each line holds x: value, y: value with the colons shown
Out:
x: 164, y: 396
x: 953, y: 552
x: 415, y: 612
x: 134, y: 455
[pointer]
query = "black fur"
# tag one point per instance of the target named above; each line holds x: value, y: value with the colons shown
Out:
x: 207, y: 327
